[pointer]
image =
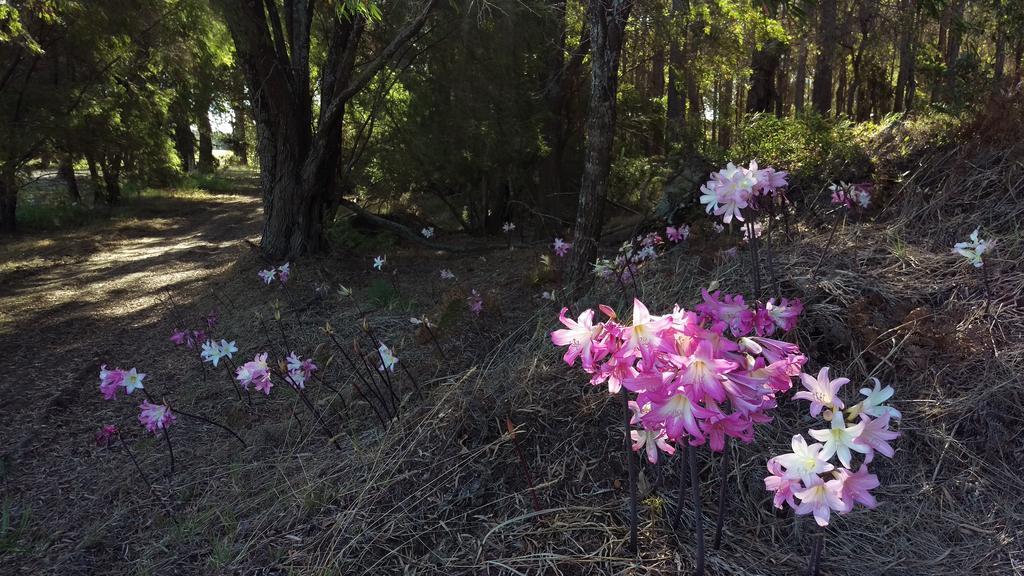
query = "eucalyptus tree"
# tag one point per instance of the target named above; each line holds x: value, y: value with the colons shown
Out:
x: 299, y: 140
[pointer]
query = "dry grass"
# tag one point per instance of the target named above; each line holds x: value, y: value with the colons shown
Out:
x: 442, y: 489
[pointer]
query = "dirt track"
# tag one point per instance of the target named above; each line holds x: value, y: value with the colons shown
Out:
x: 72, y: 300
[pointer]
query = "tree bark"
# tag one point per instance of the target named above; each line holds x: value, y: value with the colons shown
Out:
x: 821, y: 92
x: 800, y: 85
x: 239, y: 136
x: 953, y: 49
x: 764, y: 65
x: 111, y: 178
x: 675, y: 106
x: 206, y: 160
x: 66, y: 172
x: 725, y: 113
x: 655, y: 139
x: 8, y: 199
x: 184, y: 143
x: 782, y: 84
x: 607, y: 20
x: 298, y: 165
x: 559, y: 78
x: 906, y: 55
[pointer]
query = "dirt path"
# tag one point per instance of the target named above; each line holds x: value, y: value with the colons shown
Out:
x: 71, y: 300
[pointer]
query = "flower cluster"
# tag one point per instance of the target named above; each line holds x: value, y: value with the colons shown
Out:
x: 807, y: 475
x: 105, y: 435
x: 677, y: 234
x: 428, y: 232
x: 734, y: 188
x: 388, y: 360
x: 113, y: 380
x: 849, y: 195
x: 561, y: 247
x: 153, y: 416
x: 300, y: 370
x: 255, y: 373
x: 696, y: 378
x: 282, y: 273
x: 156, y: 417
x: 476, y: 302
x: 187, y: 338
x: 212, y: 352
x: 634, y: 253
x: 447, y: 274
x: 974, y: 249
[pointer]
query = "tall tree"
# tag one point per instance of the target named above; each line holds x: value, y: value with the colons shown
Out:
x: 676, y: 106
x: 821, y: 93
x: 903, y: 96
x: 607, y: 20
x: 299, y: 158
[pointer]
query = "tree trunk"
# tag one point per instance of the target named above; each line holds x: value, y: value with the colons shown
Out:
x: 725, y: 114
x: 184, y: 142
x: 906, y: 54
x: 821, y: 92
x: 764, y: 65
x: 239, y: 137
x: 800, y: 85
x: 841, y: 87
x: 607, y: 20
x: 8, y: 199
x: 782, y: 85
x: 206, y: 160
x: 655, y: 139
x: 94, y: 178
x: 676, y: 106
x: 953, y: 50
x: 112, y: 178
x: 297, y: 164
x: 66, y: 172
x: 558, y: 78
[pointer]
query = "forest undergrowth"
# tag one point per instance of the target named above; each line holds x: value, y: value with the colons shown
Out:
x: 503, y: 461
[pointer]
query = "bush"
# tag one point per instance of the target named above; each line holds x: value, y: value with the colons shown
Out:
x: 813, y: 149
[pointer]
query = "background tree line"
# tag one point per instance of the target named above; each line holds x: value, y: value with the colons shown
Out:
x: 469, y: 114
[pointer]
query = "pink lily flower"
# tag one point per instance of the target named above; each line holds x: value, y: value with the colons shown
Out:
x: 644, y: 336
x: 704, y: 373
x: 874, y: 436
x: 784, y: 487
x: 821, y: 392
x: 155, y: 416
x: 581, y: 336
x: 804, y: 462
x: 855, y: 486
x: 651, y: 441
x: 820, y: 498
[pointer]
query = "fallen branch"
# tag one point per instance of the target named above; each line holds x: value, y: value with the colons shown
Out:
x: 399, y: 229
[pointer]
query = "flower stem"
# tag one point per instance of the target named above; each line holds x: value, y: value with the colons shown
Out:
x: 170, y: 451
x: 522, y: 462
x: 723, y: 493
x: 698, y: 520
x: 631, y: 464
x: 136, y: 463
x: 813, y: 563
x: 683, y: 479
x: 755, y: 265
x: 988, y: 289
x: 433, y: 338
x: 366, y: 384
x: 211, y: 422
x: 828, y: 243
x: 383, y: 371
